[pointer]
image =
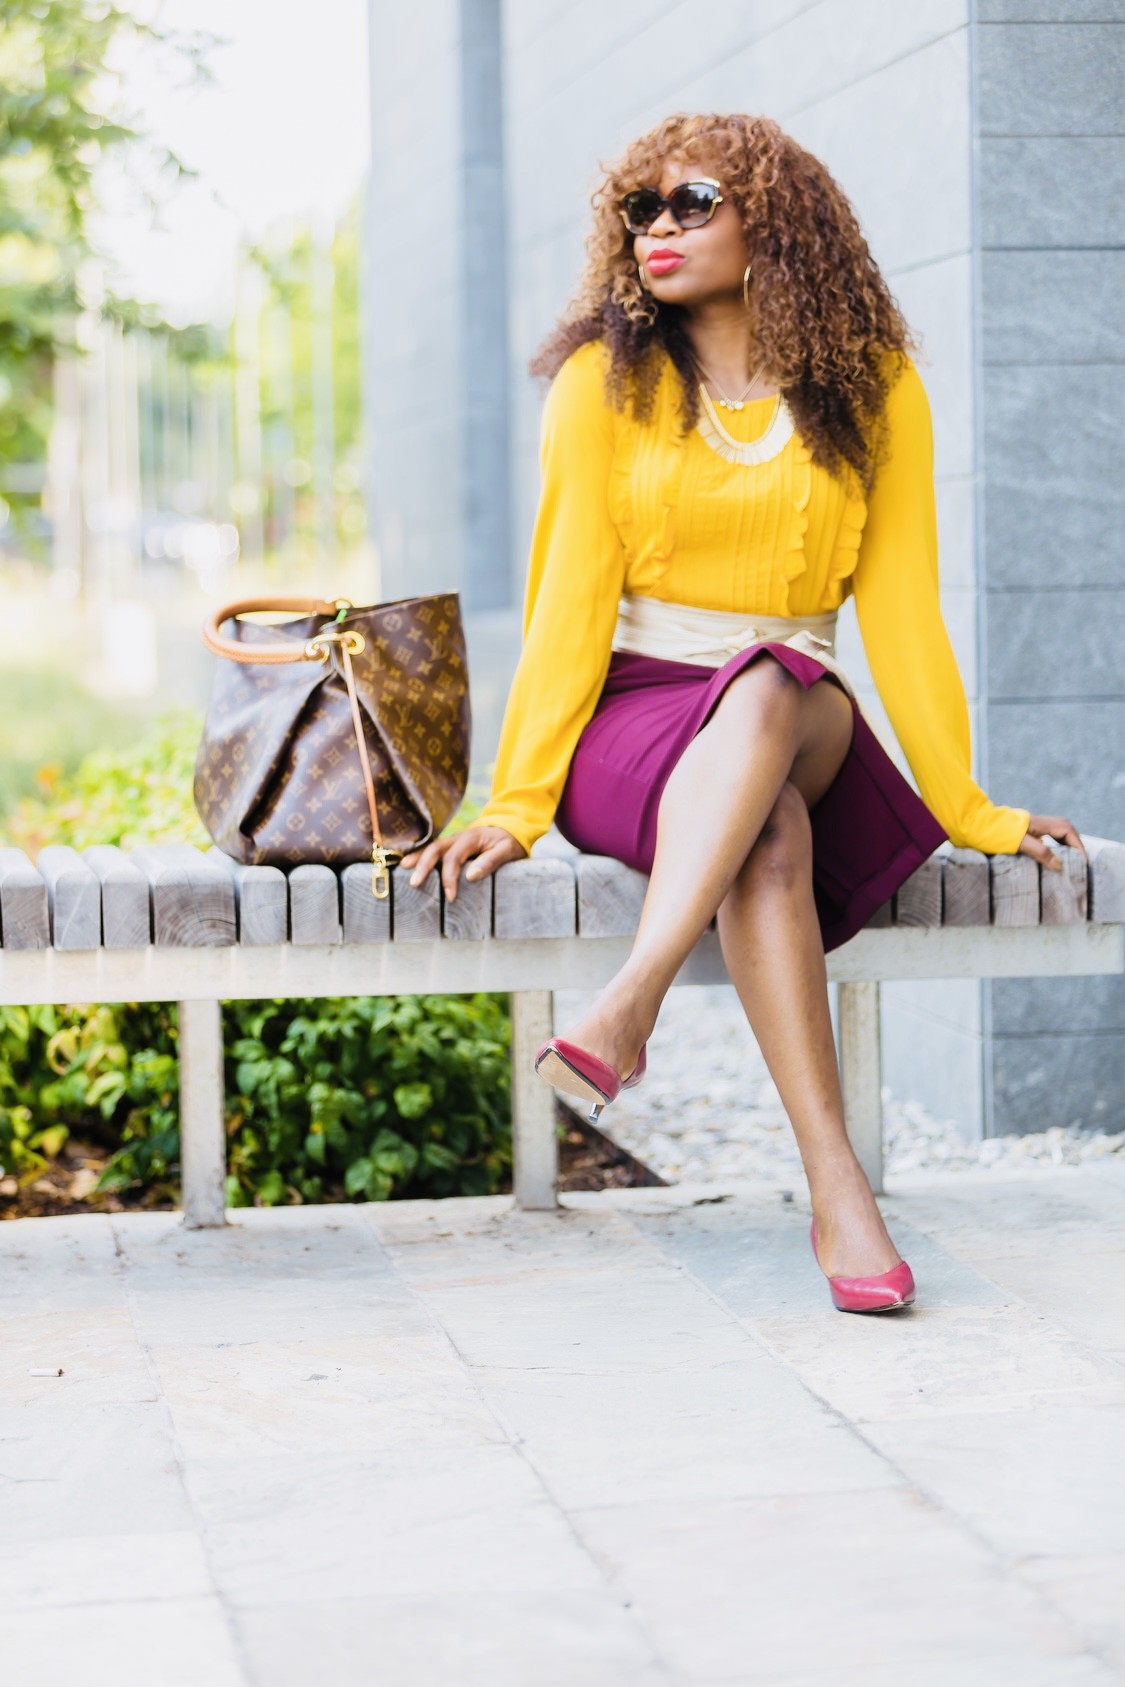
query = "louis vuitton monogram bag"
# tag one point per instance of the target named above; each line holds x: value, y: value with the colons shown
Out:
x: 341, y: 736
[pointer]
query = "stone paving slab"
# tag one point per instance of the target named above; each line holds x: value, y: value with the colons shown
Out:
x: 627, y: 1444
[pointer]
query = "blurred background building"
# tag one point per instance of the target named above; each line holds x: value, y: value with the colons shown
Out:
x: 982, y: 143
x: 180, y: 378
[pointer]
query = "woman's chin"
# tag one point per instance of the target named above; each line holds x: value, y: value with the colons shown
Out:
x: 670, y: 290
x: 684, y: 290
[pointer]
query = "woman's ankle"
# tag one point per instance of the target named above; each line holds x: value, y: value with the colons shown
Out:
x: 614, y: 1031
x: 839, y: 1181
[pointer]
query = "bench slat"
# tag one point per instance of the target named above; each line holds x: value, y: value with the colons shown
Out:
x: 74, y: 898
x: 1015, y: 890
x: 1107, y: 879
x: 966, y: 891
x: 1063, y: 896
x: 367, y: 918
x: 917, y: 901
x: 24, y: 911
x: 470, y: 914
x: 261, y: 898
x: 314, y: 903
x: 535, y: 898
x: 416, y: 910
x: 126, y: 911
x: 610, y: 896
x: 192, y: 897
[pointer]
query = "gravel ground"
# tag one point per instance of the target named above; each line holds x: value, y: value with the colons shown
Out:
x: 707, y: 1107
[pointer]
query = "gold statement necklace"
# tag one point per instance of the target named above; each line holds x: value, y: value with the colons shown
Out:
x: 777, y: 435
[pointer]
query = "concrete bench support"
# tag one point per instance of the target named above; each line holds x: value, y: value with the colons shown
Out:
x: 203, y: 1142
x: 535, y: 1143
x: 861, y: 1075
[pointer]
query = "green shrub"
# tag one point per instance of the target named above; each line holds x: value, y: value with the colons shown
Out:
x: 48, y: 722
x: 367, y: 1098
x: 364, y: 1097
x: 139, y: 795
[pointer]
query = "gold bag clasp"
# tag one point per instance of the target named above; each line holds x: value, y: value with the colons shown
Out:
x: 380, y: 873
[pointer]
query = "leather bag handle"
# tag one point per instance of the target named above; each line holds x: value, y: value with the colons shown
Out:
x: 292, y: 650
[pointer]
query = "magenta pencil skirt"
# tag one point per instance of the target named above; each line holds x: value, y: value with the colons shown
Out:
x: 870, y: 830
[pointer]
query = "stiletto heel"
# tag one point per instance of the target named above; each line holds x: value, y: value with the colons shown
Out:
x: 575, y: 1071
x: 885, y: 1292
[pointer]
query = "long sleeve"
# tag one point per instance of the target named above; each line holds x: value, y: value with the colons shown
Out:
x: 904, y: 635
x: 575, y: 575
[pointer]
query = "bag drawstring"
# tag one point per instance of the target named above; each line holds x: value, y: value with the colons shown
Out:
x: 380, y: 860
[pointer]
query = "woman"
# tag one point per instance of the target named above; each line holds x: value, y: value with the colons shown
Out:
x: 734, y: 441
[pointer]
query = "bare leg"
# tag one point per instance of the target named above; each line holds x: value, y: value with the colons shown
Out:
x: 772, y: 946
x: 768, y: 753
x: 712, y: 809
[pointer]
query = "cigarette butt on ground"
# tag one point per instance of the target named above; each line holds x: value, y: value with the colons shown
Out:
x: 45, y: 1371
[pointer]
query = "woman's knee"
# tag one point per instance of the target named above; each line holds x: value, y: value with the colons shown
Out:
x: 765, y: 691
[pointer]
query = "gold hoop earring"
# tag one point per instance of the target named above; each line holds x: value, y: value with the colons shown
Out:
x: 746, y: 285
x: 645, y: 288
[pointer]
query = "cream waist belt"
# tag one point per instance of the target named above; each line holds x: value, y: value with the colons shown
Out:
x: 680, y: 632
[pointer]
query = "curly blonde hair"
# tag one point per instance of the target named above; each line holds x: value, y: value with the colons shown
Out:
x: 827, y: 322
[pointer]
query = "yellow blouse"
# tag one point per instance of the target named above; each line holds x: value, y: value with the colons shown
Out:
x: 629, y: 506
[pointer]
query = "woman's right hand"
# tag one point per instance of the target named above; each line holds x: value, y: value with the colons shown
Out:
x: 1055, y: 826
x: 484, y: 847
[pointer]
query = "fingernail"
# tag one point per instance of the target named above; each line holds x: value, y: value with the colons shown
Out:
x: 470, y: 872
x: 416, y: 878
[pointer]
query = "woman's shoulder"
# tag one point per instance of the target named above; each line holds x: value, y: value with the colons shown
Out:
x: 900, y: 376
x: 578, y: 389
x: 584, y: 369
x: 907, y: 404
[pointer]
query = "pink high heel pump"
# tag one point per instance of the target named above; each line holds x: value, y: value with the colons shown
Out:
x: 885, y: 1292
x: 566, y: 1066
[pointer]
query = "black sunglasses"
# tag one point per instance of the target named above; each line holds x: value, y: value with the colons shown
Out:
x: 692, y: 204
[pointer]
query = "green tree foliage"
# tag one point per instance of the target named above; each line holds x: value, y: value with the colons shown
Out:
x: 287, y: 354
x: 59, y: 118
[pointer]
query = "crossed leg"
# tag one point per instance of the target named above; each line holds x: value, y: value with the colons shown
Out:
x: 736, y: 810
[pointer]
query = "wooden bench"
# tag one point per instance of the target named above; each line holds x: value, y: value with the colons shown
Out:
x: 173, y: 923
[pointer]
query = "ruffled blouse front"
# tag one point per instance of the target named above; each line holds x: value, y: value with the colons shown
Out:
x: 638, y: 507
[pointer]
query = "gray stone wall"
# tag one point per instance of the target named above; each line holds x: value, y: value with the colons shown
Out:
x: 436, y: 321
x: 1049, y: 119
x: 413, y: 377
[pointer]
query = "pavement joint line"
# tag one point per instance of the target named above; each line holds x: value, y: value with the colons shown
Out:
x: 758, y: 1340
x: 168, y: 1417
x: 1047, y: 1318
x: 951, y: 1253
x: 519, y: 1446
x: 1006, y: 1565
x: 1017, y: 1564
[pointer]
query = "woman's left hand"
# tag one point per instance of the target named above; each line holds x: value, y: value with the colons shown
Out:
x: 1049, y: 826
